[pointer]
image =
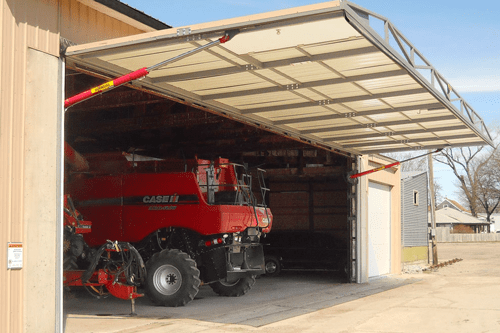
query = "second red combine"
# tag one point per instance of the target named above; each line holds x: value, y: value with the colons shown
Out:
x: 192, y: 221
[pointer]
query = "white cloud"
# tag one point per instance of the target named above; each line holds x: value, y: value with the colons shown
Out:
x: 476, y: 83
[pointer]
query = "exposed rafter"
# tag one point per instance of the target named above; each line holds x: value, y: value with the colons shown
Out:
x: 397, y: 133
x: 406, y: 141
x: 264, y: 65
x: 430, y: 107
x: 311, y: 84
x: 335, y: 101
x: 380, y: 124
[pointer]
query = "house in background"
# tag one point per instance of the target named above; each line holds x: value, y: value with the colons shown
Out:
x: 475, y: 225
x: 451, y: 204
x: 494, y: 219
x: 460, y: 222
x: 414, y: 225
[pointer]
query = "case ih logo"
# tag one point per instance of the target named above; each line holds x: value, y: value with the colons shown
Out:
x: 160, y: 199
x: 141, y: 200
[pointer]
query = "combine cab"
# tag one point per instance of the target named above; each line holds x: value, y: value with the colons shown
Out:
x: 191, y: 221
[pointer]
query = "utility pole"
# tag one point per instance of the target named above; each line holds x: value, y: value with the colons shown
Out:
x: 433, y: 212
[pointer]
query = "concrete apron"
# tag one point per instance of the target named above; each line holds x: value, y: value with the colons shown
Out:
x: 457, y: 298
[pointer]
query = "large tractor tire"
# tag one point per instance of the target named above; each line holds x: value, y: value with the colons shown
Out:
x: 235, y: 288
x: 172, y: 278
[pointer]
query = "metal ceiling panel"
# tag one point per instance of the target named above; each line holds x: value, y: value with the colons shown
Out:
x: 319, y: 73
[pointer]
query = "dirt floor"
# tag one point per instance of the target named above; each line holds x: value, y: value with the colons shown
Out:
x: 462, y: 297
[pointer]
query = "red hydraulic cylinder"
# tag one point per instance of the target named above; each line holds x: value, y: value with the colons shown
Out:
x: 143, y: 71
x: 374, y: 170
x: 356, y: 175
x: 106, y: 86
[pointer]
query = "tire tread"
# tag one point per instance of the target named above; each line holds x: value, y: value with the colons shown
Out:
x: 193, y: 274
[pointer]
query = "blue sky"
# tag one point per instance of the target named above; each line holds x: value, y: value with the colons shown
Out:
x: 460, y: 38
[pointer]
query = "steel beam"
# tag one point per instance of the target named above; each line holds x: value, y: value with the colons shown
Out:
x: 311, y: 84
x: 265, y: 65
x: 381, y: 124
x: 430, y: 107
x: 405, y: 141
x: 444, y: 145
x: 335, y: 101
x: 401, y: 57
x: 389, y: 134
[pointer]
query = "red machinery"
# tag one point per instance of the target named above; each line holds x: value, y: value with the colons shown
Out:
x: 120, y: 266
x: 188, y: 219
x: 191, y: 220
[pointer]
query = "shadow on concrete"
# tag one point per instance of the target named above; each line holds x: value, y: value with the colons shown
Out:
x: 291, y: 294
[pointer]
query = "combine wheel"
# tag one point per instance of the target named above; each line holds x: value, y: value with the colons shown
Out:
x: 172, y: 278
x: 273, y: 266
x: 235, y: 288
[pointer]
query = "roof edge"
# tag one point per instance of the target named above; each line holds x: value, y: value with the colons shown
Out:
x: 358, y: 17
x: 207, y: 28
x: 128, y: 14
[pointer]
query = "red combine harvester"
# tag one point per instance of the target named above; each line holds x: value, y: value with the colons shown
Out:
x: 191, y: 221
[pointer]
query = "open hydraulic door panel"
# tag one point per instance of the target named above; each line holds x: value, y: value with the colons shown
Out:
x: 317, y: 73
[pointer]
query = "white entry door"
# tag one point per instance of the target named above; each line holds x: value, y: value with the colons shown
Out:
x: 379, y: 229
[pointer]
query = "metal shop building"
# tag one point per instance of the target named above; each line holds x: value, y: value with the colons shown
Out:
x: 311, y: 107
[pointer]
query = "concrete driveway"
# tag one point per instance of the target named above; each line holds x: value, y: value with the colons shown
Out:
x: 463, y: 297
x: 291, y: 294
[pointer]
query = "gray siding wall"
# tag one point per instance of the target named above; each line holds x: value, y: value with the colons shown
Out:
x: 414, y: 217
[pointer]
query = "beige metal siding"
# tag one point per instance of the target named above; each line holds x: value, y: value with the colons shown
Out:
x: 82, y: 24
x: 38, y: 22
x: 12, y: 73
x: 29, y: 37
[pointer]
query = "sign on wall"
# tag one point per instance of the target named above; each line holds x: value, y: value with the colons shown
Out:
x: 14, y: 255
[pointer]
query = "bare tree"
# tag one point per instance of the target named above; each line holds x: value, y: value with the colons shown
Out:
x: 438, y: 197
x: 487, y: 180
x: 477, y: 170
x: 461, y: 161
x: 418, y: 164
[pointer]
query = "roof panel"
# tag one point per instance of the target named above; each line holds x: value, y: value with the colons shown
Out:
x: 317, y: 72
x: 229, y: 83
x: 407, y: 99
x: 338, y: 91
x: 307, y: 71
x: 165, y: 51
x: 387, y: 82
x: 193, y: 64
x: 319, y: 125
x: 336, y: 45
x: 270, y: 41
x: 347, y: 65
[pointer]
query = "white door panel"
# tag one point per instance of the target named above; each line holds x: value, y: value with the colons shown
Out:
x: 379, y: 229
